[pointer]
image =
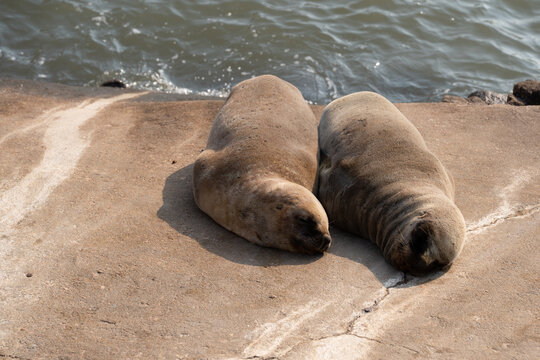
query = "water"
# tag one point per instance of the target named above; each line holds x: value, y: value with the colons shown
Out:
x: 405, y: 50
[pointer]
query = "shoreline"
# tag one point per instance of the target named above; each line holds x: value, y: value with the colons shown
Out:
x: 50, y: 88
x: 38, y: 87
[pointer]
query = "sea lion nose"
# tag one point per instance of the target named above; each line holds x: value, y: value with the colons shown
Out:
x: 421, y: 267
x: 420, y: 238
x: 314, y: 244
x: 325, y: 242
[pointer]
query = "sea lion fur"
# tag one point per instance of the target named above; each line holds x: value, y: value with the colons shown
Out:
x: 256, y: 176
x: 377, y: 179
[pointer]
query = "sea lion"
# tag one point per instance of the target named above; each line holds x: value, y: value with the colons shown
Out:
x: 256, y: 176
x: 377, y: 179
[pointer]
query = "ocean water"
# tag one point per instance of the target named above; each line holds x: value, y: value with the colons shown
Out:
x: 409, y: 51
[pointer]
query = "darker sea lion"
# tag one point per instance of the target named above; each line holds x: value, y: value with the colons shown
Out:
x: 256, y: 176
x: 378, y: 179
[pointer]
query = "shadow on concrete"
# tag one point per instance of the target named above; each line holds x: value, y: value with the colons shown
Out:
x: 182, y: 214
x: 360, y: 250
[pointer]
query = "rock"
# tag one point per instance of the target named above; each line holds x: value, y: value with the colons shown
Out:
x: 489, y: 97
x: 528, y: 92
x: 115, y: 83
x: 475, y: 100
x: 513, y: 100
x: 453, y: 99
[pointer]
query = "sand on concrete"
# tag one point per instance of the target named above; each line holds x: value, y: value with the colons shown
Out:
x: 104, y: 254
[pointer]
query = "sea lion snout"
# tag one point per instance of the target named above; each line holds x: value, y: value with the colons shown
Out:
x: 310, y: 233
x: 313, y: 244
x: 325, y: 243
x: 425, y: 256
x: 301, y: 217
x: 431, y: 245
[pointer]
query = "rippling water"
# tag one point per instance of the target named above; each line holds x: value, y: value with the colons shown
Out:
x: 405, y: 50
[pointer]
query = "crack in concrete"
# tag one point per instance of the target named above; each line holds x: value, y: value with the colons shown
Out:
x: 501, y: 215
x: 505, y: 211
x: 385, y: 343
x: 376, y: 302
x: 370, y: 309
x: 349, y: 329
x: 347, y: 333
x: 379, y: 341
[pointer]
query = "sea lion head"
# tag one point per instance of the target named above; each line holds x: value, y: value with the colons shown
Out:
x: 429, y: 240
x: 295, y: 219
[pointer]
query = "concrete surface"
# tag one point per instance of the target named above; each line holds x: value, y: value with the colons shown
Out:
x: 104, y: 255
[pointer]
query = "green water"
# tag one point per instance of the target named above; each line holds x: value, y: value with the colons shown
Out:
x: 405, y: 50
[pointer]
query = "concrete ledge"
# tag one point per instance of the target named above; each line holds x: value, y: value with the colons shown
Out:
x: 103, y: 253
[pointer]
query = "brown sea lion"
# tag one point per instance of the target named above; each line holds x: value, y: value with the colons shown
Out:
x: 256, y: 176
x: 377, y: 179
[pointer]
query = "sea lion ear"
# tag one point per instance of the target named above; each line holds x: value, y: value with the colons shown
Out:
x: 420, y: 237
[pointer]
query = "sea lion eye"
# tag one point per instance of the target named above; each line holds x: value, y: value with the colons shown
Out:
x: 307, y: 226
x: 306, y: 221
x: 279, y: 206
